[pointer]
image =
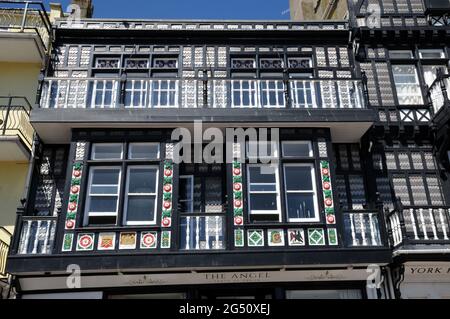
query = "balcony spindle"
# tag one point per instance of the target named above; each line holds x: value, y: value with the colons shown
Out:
x: 413, y: 223
x: 433, y: 223
x: 197, y: 233
x: 441, y: 218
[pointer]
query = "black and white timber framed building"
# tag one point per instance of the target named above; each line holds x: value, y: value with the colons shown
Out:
x: 361, y: 180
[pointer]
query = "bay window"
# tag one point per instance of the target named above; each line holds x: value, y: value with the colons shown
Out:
x: 139, y: 193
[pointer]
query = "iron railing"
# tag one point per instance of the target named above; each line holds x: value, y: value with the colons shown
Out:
x: 4, y: 249
x: 426, y: 225
x: 193, y: 93
x: 15, y: 118
x: 26, y: 16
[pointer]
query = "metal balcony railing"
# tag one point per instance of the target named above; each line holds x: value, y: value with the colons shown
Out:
x: 37, y: 235
x: 420, y: 226
x: 363, y: 229
x: 439, y: 92
x: 26, y: 16
x: 4, y: 249
x: 15, y: 118
x: 96, y: 93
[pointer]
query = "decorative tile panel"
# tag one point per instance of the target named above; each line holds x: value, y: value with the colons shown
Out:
x: 332, y: 237
x: 149, y: 240
x: 106, y: 241
x: 255, y: 238
x: 67, y: 242
x: 275, y: 237
x: 316, y: 237
x: 127, y: 240
x: 327, y: 193
x: 85, y: 242
x: 296, y: 237
x: 166, y: 239
x: 239, y: 237
x: 167, y: 205
x: 238, y: 198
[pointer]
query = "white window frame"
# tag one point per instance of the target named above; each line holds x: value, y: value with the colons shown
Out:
x: 309, y: 143
x: 298, y: 87
x: 157, y: 90
x: 416, y: 84
x: 267, y: 91
x: 130, y: 153
x: 191, y: 178
x: 87, y: 213
x: 314, y: 191
x: 93, y: 153
x: 143, y: 91
x: 277, y: 191
x: 252, y: 92
x: 103, y: 92
x: 440, y: 51
x: 128, y: 194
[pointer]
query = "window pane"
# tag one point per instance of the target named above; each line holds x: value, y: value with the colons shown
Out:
x: 185, y: 197
x: 262, y: 174
x: 432, y: 54
x: 400, y: 54
x: 300, y: 206
x: 141, y: 208
x: 297, y: 149
x: 263, y: 202
x: 105, y: 177
x: 298, y: 178
x: 142, y: 180
x: 103, y: 204
x: 107, y: 151
x: 144, y: 151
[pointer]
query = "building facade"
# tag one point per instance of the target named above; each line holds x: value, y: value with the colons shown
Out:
x: 349, y: 201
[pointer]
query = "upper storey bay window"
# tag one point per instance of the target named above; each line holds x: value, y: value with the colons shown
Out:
x: 122, y: 171
x: 295, y: 177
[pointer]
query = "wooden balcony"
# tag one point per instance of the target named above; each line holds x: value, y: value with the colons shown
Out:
x: 16, y: 132
x: 411, y: 227
x: 25, y: 30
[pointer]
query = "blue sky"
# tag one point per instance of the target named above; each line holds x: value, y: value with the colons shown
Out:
x: 190, y: 9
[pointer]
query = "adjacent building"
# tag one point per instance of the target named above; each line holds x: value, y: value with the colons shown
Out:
x: 25, y: 37
x: 350, y: 201
x: 302, y: 10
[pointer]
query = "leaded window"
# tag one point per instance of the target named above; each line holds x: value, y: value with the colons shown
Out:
x: 407, y: 85
x: 201, y: 205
